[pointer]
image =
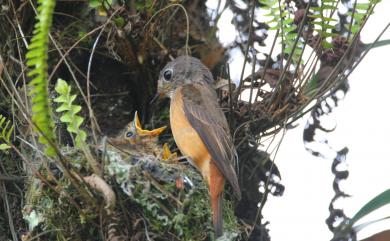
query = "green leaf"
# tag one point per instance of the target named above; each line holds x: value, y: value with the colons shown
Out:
x: 288, y: 21
x: 290, y: 28
x: 326, y: 45
x: 328, y: 7
x: 377, y: 202
x: 95, y: 3
x: 107, y: 3
x: 67, y: 118
x: 62, y: 87
x: 290, y: 37
x: 71, y: 129
x: 61, y: 99
x: 80, y: 138
x: 72, y: 97
x: 355, y: 29
x: 119, y: 22
x: 78, y: 120
x: 8, y: 135
x: 359, y: 227
x: 75, y: 109
x: 4, y: 147
x: 363, y: 6
x: 63, y: 107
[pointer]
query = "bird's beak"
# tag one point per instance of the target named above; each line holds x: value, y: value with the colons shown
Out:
x: 164, y: 88
x: 136, y: 121
x: 156, y: 96
x: 140, y: 131
x: 157, y: 132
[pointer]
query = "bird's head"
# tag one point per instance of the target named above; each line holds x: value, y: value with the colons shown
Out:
x: 180, y: 71
x: 136, y: 135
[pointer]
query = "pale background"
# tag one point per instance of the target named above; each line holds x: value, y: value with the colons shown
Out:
x: 363, y: 125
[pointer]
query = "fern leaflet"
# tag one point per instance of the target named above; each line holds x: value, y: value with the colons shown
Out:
x: 281, y: 18
x: 324, y: 23
x: 359, y: 14
x: 6, y: 129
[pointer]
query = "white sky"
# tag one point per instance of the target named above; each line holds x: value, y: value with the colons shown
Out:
x: 362, y: 125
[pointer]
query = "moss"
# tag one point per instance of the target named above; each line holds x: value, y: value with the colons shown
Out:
x: 173, y: 211
x: 171, y: 199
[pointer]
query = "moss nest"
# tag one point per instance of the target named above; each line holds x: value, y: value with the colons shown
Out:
x: 153, y: 200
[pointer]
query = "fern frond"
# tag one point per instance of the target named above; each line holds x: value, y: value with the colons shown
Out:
x: 359, y: 14
x: 69, y: 116
x: 73, y: 121
x: 281, y: 18
x: 37, y: 57
x: 6, y: 129
x: 324, y: 21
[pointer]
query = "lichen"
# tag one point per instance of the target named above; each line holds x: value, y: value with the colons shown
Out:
x: 170, y: 198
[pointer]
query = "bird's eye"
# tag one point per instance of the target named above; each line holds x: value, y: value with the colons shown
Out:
x: 168, y: 74
x: 129, y: 134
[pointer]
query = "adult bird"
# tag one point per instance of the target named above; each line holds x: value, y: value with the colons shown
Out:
x: 199, y: 127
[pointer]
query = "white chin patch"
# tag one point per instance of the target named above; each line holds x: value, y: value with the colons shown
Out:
x: 170, y: 94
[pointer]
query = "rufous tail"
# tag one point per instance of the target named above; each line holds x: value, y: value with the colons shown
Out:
x: 217, y: 204
x: 216, y: 185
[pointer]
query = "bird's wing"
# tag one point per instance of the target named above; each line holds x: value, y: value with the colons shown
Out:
x: 206, y: 117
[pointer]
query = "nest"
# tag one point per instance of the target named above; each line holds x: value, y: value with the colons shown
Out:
x: 155, y: 200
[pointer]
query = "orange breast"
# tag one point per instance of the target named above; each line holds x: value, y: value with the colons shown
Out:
x: 186, y: 137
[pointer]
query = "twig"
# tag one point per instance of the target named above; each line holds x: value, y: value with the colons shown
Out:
x: 161, y: 189
x: 11, y: 178
x: 187, y: 21
x: 230, y: 94
x: 281, y: 77
x: 351, y: 22
x: 9, y: 213
x: 94, y: 124
x: 266, y: 190
x: 269, y: 57
x: 238, y: 91
x: 253, y: 79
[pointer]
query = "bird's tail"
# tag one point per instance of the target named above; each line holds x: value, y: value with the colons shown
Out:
x: 216, y: 185
x: 216, y: 205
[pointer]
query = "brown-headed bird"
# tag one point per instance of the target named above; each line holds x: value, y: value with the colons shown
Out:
x: 200, y: 128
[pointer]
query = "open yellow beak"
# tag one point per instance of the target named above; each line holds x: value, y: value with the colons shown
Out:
x: 140, y: 131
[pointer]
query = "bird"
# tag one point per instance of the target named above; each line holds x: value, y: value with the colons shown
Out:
x: 200, y: 128
x: 136, y: 141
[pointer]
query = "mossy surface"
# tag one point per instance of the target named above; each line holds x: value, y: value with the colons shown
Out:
x: 159, y: 200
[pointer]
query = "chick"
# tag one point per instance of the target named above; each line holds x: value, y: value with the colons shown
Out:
x: 136, y: 141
